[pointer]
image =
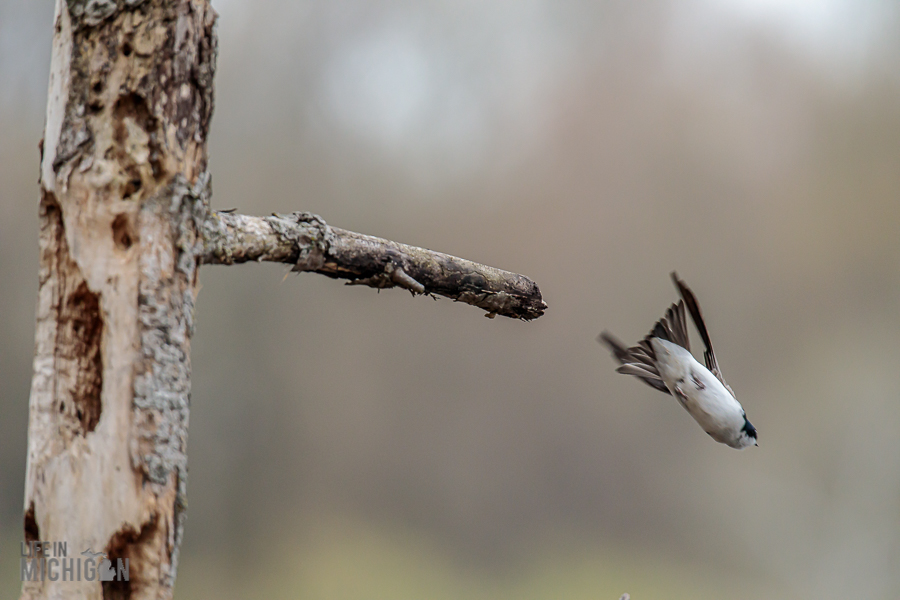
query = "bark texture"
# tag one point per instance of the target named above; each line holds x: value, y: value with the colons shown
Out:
x: 122, y: 171
x: 307, y: 242
x: 124, y: 226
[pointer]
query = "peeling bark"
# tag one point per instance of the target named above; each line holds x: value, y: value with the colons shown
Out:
x: 128, y: 113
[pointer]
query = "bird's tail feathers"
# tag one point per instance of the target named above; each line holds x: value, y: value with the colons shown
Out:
x: 619, y: 350
x: 639, y: 360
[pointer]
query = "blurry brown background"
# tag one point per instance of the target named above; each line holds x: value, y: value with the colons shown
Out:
x: 350, y: 444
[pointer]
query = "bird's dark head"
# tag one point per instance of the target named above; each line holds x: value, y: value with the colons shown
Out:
x: 748, y: 433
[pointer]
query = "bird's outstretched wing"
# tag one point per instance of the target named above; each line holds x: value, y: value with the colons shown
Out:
x: 709, y: 356
x: 640, y: 360
x: 672, y: 327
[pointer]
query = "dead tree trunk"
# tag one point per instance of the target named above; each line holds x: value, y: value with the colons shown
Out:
x: 130, y: 100
x: 124, y: 225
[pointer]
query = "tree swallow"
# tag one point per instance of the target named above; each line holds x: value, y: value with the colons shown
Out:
x: 664, y: 361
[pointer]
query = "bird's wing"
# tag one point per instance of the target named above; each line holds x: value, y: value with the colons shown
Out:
x: 709, y: 356
x: 672, y: 327
x: 640, y: 360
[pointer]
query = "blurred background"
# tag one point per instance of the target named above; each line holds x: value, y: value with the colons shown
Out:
x: 351, y: 444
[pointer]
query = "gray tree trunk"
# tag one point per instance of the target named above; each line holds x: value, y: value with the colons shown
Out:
x: 124, y: 225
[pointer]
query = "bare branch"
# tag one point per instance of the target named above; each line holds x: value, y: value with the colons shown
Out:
x: 307, y: 242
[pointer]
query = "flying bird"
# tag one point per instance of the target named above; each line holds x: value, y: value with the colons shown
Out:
x: 664, y: 361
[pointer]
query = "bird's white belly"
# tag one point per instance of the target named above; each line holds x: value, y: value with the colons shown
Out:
x: 716, y: 411
x: 699, y: 392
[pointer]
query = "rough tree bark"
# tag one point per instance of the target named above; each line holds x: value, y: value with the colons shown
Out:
x: 307, y: 242
x: 124, y: 225
x: 130, y: 100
